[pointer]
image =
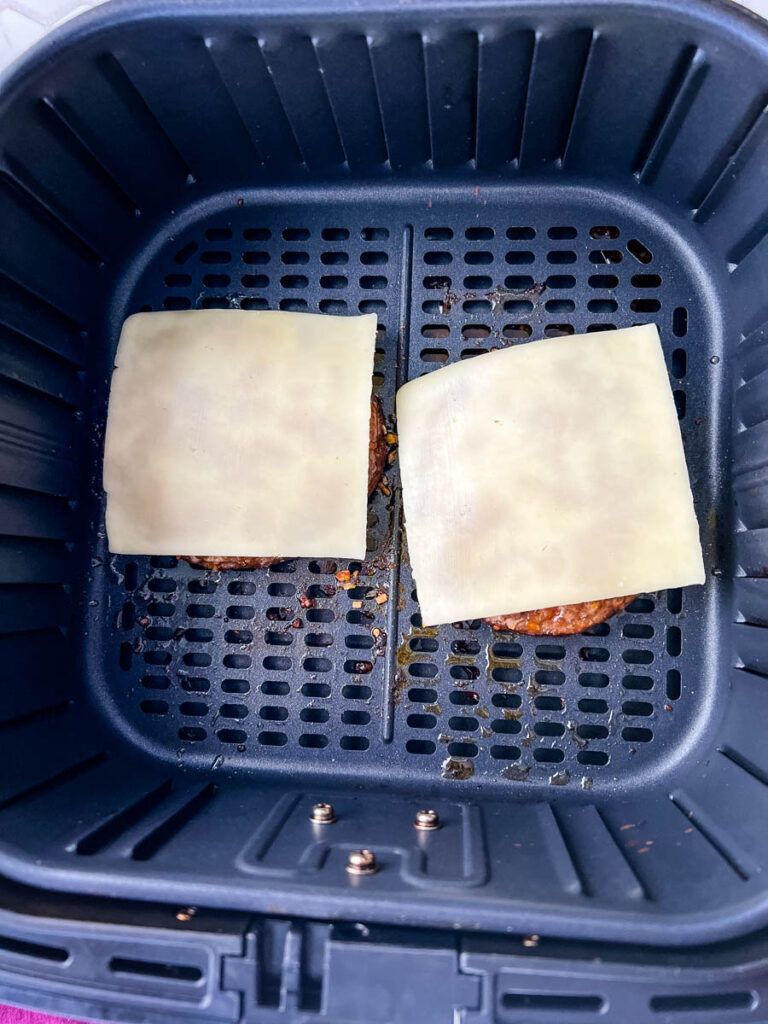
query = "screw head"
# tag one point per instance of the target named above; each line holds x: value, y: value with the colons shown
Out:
x: 361, y: 862
x: 323, y: 814
x: 427, y: 821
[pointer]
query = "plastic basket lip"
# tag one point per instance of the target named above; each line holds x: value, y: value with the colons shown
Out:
x: 728, y: 15
x: 740, y: 919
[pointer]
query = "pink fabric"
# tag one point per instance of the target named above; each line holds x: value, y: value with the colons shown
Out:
x: 10, y: 1015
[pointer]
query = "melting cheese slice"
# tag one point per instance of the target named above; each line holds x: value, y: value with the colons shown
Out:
x: 234, y: 432
x: 546, y: 474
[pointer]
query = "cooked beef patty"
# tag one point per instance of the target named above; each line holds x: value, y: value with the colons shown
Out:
x: 377, y: 460
x: 562, y: 620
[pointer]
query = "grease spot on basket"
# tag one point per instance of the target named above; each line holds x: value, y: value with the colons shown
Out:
x: 516, y: 772
x: 560, y: 779
x: 457, y: 768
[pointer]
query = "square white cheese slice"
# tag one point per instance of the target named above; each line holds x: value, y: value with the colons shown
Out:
x: 234, y: 432
x: 547, y: 474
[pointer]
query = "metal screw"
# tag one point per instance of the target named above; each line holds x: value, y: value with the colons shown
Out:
x: 427, y: 821
x: 323, y: 814
x: 361, y: 862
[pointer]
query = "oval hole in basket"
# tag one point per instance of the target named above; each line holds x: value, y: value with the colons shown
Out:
x: 194, y: 708
x: 314, y: 715
x: 192, y: 733
x: 506, y: 675
x: 270, y: 687
x: 561, y: 281
x: 438, y: 258
x: 354, y: 742
x: 356, y: 692
x: 232, y: 736
x: 637, y: 708
x: 547, y: 703
x: 195, y: 684
x: 420, y: 747
x: 233, y: 711
x: 313, y: 740
x: 548, y: 755
x: 519, y: 257
x: 549, y: 729
x: 635, y: 656
x: 674, y: 684
x: 560, y: 306
x: 519, y: 283
x: 680, y: 322
x: 462, y: 749
x: 243, y: 686
x: 424, y: 644
x: 635, y: 682
x: 155, y: 682
x: 598, y: 679
x: 506, y: 726
x: 421, y: 695
x: 637, y: 735
x: 607, y: 281
x: 561, y: 233
x: 558, y: 257
x: 506, y: 700
x: 590, y: 706
x: 154, y: 707
x: 272, y: 739
x: 464, y: 698
x: 593, y: 757
x: 505, y: 753
x: 438, y: 234
x: 515, y: 331
x: 434, y: 355
x: 465, y: 672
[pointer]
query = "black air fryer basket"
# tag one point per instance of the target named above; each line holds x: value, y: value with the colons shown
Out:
x: 477, y: 175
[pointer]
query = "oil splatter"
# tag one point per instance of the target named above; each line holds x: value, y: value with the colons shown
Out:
x: 516, y: 772
x: 399, y: 685
x: 572, y: 728
x: 560, y: 779
x: 457, y: 768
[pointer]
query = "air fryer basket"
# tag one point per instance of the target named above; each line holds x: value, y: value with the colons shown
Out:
x: 477, y: 177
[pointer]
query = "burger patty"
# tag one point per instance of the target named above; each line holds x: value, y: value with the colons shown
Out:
x: 377, y: 460
x: 562, y: 620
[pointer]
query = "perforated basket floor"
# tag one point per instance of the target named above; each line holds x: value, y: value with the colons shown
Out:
x: 285, y: 671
